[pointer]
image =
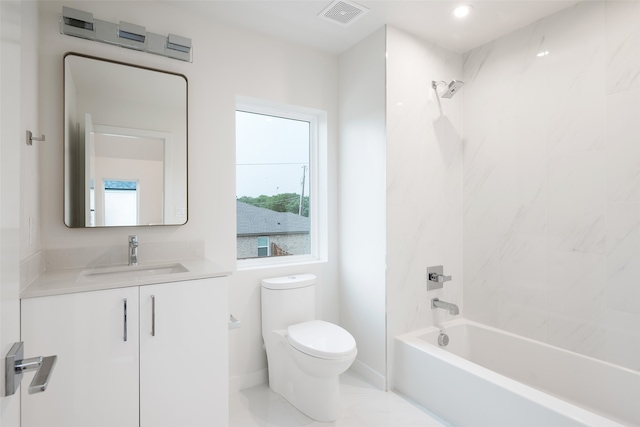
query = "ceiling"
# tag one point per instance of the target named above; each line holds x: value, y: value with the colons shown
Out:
x: 297, y: 20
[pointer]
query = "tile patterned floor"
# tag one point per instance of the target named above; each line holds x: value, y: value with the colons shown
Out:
x: 362, y: 406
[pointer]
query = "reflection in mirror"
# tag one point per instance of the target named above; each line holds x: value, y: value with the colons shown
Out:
x: 125, y: 144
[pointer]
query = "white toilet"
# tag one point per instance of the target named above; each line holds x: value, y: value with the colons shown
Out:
x: 305, y: 356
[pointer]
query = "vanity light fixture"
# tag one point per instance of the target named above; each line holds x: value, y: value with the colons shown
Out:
x: 77, y: 23
x: 82, y: 24
x: 132, y: 35
x: 178, y: 46
x: 462, y: 11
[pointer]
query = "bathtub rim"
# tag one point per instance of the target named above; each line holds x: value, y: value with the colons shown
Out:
x: 464, y: 321
x: 545, y: 400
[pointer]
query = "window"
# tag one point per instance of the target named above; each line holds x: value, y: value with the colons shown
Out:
x: 277, y: 176
x: 120, y: 202
x: 263, y: 246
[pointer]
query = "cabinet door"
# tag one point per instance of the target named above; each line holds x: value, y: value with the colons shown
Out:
x: 184, y: 355
x: 95, y: 380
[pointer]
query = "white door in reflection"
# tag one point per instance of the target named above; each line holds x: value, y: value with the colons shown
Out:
x: 120, y: 202
x: 123, y: 156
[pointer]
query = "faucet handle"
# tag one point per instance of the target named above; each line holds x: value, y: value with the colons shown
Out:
x: 436, y: 277
x: 440, y: 278
x: 133, y: 239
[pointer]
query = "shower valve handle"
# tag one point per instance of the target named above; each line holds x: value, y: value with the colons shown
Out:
x: 440, y: 278
x: 436, y: 277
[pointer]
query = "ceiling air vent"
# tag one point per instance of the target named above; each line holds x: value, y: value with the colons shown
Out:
x: 343, y: 12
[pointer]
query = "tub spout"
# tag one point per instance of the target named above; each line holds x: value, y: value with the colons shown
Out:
x: 453, y: 309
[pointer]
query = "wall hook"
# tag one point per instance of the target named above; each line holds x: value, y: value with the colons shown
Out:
x: 31, y: 138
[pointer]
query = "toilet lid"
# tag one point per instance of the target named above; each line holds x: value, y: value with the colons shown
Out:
x: 321, y: 339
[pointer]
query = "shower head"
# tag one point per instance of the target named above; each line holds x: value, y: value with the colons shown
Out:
x: 452, y: 88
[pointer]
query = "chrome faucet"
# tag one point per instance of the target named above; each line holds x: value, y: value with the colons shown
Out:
x: 133, y: 250
x: 453, y: 309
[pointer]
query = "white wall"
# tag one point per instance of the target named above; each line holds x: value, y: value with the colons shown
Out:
x: 400, y: 191
x: 424, y: 183
x: 552, y: 181
x: 228, y: 61
x: 363, y: 235
x: 30, y: 120
x: 18, y: 172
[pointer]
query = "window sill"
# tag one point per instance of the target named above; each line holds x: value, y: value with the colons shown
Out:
x: 276, y: 262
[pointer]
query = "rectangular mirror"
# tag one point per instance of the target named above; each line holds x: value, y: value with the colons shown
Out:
x: 125, y: 144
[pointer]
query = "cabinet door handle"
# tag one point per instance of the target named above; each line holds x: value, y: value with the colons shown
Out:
x: 125, y: 320
x: 153, y: 315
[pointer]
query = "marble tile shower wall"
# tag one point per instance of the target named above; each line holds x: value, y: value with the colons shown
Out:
x: 551, y: 192
x: 424, y: 182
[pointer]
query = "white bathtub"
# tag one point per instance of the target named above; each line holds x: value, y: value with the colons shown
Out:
x: 488, y: 377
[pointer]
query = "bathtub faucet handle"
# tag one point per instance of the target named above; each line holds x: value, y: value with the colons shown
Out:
x: 440, y: 278
x: 436, y: 277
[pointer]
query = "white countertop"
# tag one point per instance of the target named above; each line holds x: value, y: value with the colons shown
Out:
x: 72, y: 280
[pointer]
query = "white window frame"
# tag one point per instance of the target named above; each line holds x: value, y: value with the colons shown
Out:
x: 318, y: 228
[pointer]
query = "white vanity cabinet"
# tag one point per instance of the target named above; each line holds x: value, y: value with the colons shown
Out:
x: 175, y: 376
x: 95, y: 380
x: 184, y: 377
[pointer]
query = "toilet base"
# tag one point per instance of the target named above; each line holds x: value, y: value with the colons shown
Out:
x: 317, y: 398
x: 316, y: 395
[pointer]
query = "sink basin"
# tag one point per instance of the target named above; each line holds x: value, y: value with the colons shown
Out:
x: 132, y: 272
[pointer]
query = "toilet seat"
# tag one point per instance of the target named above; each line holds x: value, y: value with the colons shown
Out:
x: 321, y: 339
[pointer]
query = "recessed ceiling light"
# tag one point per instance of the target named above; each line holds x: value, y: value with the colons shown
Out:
x: 462, y: 11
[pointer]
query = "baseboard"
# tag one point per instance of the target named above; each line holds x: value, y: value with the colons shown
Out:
x: 241, y: 382
x: 369, y: 375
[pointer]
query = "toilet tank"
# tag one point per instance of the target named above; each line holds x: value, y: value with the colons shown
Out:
x: 288, y: 300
